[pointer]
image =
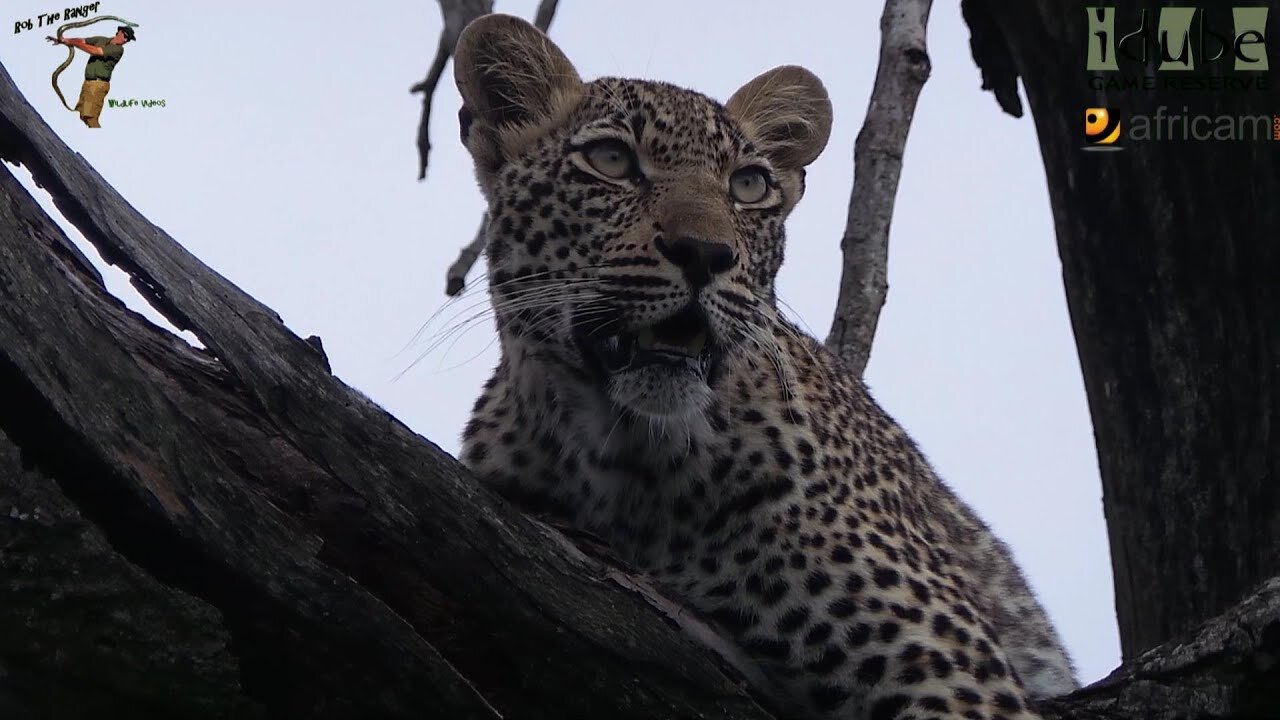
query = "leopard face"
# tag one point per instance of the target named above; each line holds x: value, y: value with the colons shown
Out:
x: 635, y: 228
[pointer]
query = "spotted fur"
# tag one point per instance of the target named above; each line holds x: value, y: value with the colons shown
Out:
x: 755, y: 477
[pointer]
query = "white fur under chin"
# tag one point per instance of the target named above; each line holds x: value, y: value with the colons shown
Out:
x: 657, y: 393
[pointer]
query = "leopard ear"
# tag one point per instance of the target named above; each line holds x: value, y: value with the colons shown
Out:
x: 787, y: 112
x: 513, y: 80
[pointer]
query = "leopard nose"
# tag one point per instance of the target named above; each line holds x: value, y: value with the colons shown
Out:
x: 698, y: 259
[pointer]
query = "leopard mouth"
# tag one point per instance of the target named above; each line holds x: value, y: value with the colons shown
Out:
x: 680, y: 344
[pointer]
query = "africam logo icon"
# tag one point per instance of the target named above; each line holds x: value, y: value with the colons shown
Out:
x: 1101, y: 130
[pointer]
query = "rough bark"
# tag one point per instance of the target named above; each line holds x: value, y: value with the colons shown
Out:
x: 84, y: 631
x: 1226, y: 669
x: 1171, y: 266
x: 877, y: 167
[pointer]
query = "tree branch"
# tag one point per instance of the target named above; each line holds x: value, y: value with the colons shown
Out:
x: 428, y: 89
x: 155, y: 443
x: 456, y: 277
x: 545, y: 14
x: 456, y: 15
x: 1226, y: 669
x: 877, y: 159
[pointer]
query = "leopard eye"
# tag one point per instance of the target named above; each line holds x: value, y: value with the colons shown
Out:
x: 611, y: 158
x: 749, y: 185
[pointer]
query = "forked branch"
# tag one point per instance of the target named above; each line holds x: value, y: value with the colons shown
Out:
x: 456, y: 14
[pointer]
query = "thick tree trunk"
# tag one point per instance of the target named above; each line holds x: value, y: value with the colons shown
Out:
x: 1171, y: 260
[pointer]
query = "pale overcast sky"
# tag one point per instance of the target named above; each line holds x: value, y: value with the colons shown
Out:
x: 284, y: 158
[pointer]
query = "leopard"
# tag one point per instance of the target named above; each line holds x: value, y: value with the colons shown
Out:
x: 650, y: 393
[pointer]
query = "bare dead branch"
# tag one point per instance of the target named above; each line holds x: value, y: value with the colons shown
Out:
x: 428, y: 89
x: 877, y: 159
x: 546, y: 12
x: 456, y: 15
x: 456, y: 278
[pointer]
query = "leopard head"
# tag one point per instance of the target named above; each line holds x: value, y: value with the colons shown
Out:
x: 635, y: 228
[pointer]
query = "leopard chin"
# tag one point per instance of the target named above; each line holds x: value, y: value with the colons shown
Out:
x: 661, y: 371
x: 660, y: 391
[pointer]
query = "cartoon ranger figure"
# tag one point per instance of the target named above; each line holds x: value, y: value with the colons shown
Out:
x: 104, y: 53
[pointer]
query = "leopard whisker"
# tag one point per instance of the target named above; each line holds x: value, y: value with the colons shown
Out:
x: 548, y: 302
x: 472, y: 290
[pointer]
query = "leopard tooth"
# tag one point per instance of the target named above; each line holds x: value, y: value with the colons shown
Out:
x: 645, y: 339
x: 612, y: 343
